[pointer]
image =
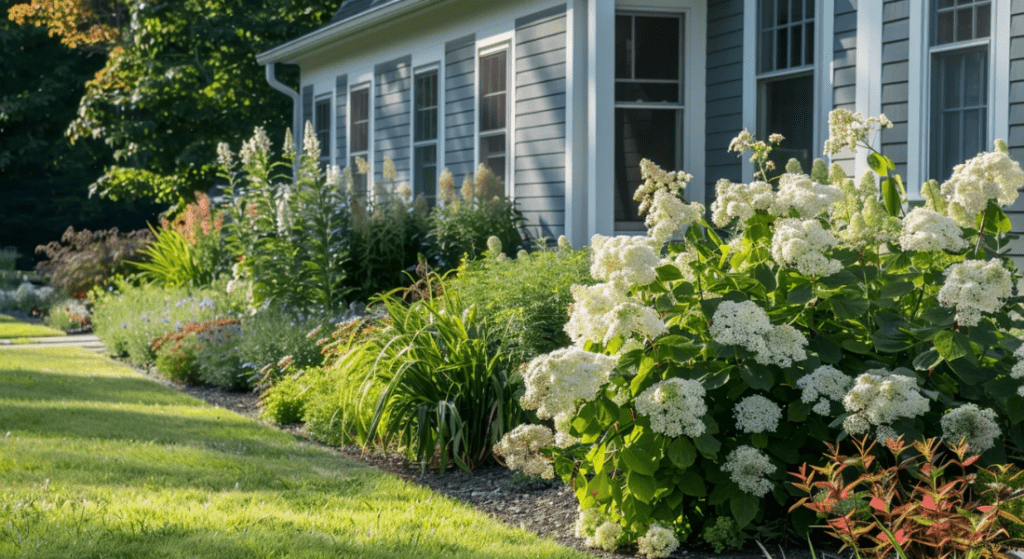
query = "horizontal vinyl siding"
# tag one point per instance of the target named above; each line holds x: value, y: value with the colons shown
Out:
x: 391, y: 117
x: 724, y: 92
x: 539, y: 145
x: 844, y: 76
x: 1016, y: 124
x: 895, y: 55
x: 459, y: 101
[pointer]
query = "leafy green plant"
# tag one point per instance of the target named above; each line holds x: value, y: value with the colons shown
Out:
x: 171, y: 261
x: 177, y: 356
x: 531, y: 293
x: 285, y: 402
x: 723, y: 534
x: 85, y: 259
x: 69, y: 314
x: 699, y: 373
x: 460, y: 228
x: 925, y: 504
x: 446, y: 396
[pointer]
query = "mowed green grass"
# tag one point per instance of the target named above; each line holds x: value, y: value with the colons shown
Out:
x: 96, y: 461
x: 10, y: 327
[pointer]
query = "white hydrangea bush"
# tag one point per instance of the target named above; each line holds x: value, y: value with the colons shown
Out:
x: 722, y: 349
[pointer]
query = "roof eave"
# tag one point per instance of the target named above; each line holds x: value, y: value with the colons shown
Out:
x: 289, y: 52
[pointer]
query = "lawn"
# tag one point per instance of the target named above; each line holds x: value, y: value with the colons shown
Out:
x: 97, y: 461
x: 11, y: 327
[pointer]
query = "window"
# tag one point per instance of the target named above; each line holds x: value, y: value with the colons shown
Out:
x: 322, y: 128
x: 494, y: 111
x: 960, y: 31
x: 359, y: 145
x: 425, y: 136
x: 649, y: 103
x: 786, y: 78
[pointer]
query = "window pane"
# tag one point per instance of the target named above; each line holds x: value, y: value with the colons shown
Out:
x: 972, y: 135
x: 945, y: 3
x: 492, y: 154
x: 809, y: 43
x: 950, y: 141
x: 788, y: 109
x: 322, y: 127
x: 426, y: 107
x: 944, y: 28
x: 360, y: 120
x: 964, y: 24
x: 974, y: 79
x: 657, y: 48
x: 782, y: 15
x: 641, y: 133
x: 640, y: 92
x: 797, y: 10
x: 358, y: 179
x: 767, y: 14
x: 426, y: 173
x: 960, y: 109
x: 982, y: 24
x: 782, y: 48
x: 767, y: 50
x: 810, y: 9
x: 623, y: 47
x: 796, y: 54
x: 492, y: 91
x: 952, y: 81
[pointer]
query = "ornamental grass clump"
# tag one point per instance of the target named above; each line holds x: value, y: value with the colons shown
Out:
x: 825, y: 309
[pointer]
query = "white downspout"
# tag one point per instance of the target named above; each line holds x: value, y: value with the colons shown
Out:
x: 296, y: 103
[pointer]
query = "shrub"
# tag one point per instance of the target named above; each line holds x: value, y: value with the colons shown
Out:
x: 699, y: 375
x: 8, y: 258
x: 461, y: 227
x: 69, y: 314
x: 170, y: 261
x: 286, y: 401
x: 531, y: 293
x: 29, y: 297
x: 342, y: 399
x: 201, y: 224
x: 83, y: 260
x: 176, y: 357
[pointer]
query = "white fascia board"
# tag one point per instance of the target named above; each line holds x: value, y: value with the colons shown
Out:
x: 289, y: 52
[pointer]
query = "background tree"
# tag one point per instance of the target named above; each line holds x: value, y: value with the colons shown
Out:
x: 180, y: 76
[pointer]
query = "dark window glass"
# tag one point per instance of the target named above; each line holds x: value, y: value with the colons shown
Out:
x: 767, y: 13
x: 959, y: 108
x: 358, y: 179
x: 623, y: 47
x: 426, y: 106
x: 983, y: 21
x: 322, y: 128
x: 360, y: 120
x: 640, y: 92
x: 493, y: 90
x: 657, y: 48
x: 965, y: 24
x: 640, y: 133
x: 964, y: 20
x: 492, y: 154
x: 787, y: 108
x: 786, y: 34
x: 426, y: 173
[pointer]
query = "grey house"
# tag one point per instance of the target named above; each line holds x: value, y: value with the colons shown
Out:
x: 562, y: 98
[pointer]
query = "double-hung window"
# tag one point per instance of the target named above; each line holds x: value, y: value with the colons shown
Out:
x: 425, y: 135
x: 359, y: 145
x: 322, y: 128
x: 785, y: 74
x: 649, y: 103
x: 960, y: 43
x: 494, y: 111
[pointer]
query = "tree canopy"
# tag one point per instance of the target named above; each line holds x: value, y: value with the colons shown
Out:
x: 180, y: 76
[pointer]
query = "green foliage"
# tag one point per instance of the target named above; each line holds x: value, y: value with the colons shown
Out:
x: 85, y: 259
x: 129, y: 318
x: 530, y: 293
x: 447, y: 396
x: 177, y: 357
x: 723, y: 534
x: 68, y: 314
x: 285, y: 402
x: 170, y: 261
x: 342, y: 399
x: 461, y: 227
x: 8, y: 258
x: 924, y: 505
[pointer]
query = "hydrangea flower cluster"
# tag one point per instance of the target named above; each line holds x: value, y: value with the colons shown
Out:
x: 879, y: 397
x: 602, y: 312
x: 757, y: 414
x: 1017, y: 371
x: 822, y: 387
x: 683, y: 260
x: 748, y: 467
x: 860, y: 219
x: 986, y: 176
x: 800, y: 244
x: 747, y: 325
x: 675, y: 407
x: 974, y: 287
x: 556, y: 381
x: 521, y: 447
x: 846, y: 130
x: 659, y: 541
x: 597, y: 530
x: 978, y: 427
x: 624, y: 261
x: 928, y: 230
x: 655, y: 179
x: 668, y: 213
x: 760, y: 151
x: 740, y: 201
x: 809, y: 199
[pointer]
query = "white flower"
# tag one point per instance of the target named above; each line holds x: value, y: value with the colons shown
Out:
x: 605, y: 536
x: 928, y: 230
x: 979, y: 427
x: 668, y: 214
x: 743, y: 324
x: 256, y: 149
x: 225, y: 158
x: 800, y: 244
x: 846, y: 130
x: 556, y: 381
x: 564, y: 243
x: 683, y: 260
x: 588, y: 521
x: 783, y: 345
x: 657, y: 542
x: 521, y: 447
x: 809, y: 199
x: 757, y: 414
x: 310, y: 143
x: 624, y: 261
x: 600, y: 312
x: 986, y: 176
x: 655, y: 178
x: 885, y: 433
x: 825, y: 385
x: 739, y: 201
x: 675, y: 407
x: 974, y: 287
x: 629, y: 318
x: 748, y: 467
x: 333, y: 175
x: 880, y: 397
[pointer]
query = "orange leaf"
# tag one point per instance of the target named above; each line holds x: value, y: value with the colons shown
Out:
x: 928, y: 503
x: 878, y: 504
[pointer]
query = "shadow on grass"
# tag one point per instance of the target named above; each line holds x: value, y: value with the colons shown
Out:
x: 37, y: 386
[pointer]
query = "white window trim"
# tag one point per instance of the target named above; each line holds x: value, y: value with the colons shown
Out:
x: 439, y: 139
x: 364, y: 82
x: 504, y: 41
x: 601, y: 96
x: 919, y: 87
x: 823, y: 68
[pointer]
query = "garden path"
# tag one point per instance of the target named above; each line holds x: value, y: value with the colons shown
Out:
x: 86, y: 341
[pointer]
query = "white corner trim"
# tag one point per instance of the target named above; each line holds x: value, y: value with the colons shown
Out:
x: 749, y: 80
x: 695, y: 113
